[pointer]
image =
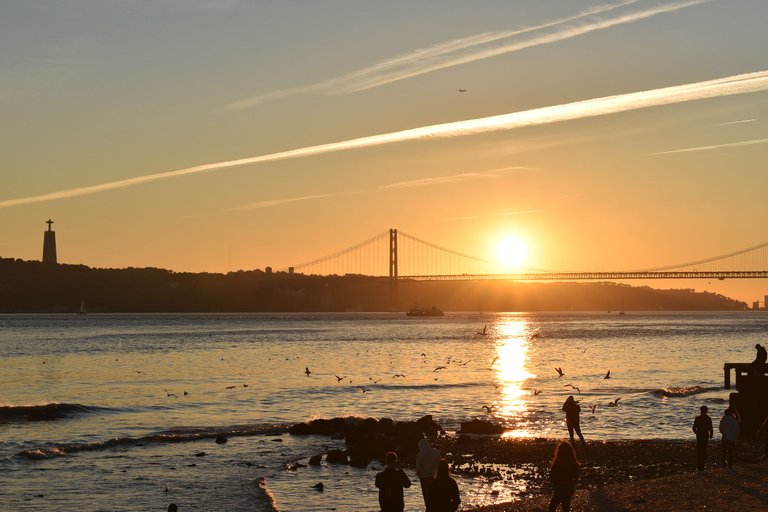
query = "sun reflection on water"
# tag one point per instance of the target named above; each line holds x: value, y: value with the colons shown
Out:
x: 511, y: 373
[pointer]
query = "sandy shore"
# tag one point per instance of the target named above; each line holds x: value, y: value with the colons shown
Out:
x: 650, y: 475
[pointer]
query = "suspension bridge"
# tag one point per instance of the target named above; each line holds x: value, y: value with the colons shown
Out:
x: 398, y: 255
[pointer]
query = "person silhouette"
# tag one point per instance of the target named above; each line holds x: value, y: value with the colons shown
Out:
x: 443, y: 492
x: 572, y: 410
x: 730, y: 429
x: 391, y: 483
x: 563, y: 474
x: 426, y: 465
x: 761, y: 356
x: 702, y: 427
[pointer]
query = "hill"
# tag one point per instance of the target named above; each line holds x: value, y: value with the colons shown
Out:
x: 31, y: 286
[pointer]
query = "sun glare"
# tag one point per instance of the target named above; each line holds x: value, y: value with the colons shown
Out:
x: 512, y: 251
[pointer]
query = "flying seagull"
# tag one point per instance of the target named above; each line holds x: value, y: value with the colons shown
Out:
x: 339, y: 379
x: 560, y: 372
x: 607, y: 375
x: 615, y: 403
x: 306, y: 370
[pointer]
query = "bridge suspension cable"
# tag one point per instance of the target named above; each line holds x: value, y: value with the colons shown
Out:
x: 753, y: 259
x: 394, y: 253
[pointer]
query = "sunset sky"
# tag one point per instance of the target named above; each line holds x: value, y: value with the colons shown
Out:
x: 216, y: 135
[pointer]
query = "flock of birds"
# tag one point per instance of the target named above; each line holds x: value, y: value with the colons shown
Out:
x: 488, y: 408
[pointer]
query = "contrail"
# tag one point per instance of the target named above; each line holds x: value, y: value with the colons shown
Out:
x: 727, y: 86
x: 463, y: 51
x: 714, y: 146
x: 737, y: 122
x: 276, y: 202
x: 454, y: 178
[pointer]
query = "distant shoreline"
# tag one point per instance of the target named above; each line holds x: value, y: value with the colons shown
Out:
x: 34, y: 287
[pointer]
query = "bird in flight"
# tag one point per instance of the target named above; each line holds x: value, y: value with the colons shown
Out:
x: 462, y: 90
x: 170, y: 394
x: 398, y: 375
x: 593, y: 407
x: 439, y: 368
x: 488, y: 409
x: 607, y: 375
x: 363, y: 389
x: 493, y: 362
x: 306, y: 370
x: 339, y: 379
x: 615, y: 403
x: 374, y: 381
x: 536, y: 392
x: 560, y: 372
x: 573, y: 387
x: 230, y: 387
x: 484, y: 331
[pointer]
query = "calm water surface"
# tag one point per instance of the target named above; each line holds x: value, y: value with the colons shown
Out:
x: 141, y: 395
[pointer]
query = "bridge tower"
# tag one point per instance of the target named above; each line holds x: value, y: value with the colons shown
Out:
x: 49, y: 245
x: 393, y: 268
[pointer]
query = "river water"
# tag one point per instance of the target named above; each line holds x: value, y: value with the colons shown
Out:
x: 119, y: 412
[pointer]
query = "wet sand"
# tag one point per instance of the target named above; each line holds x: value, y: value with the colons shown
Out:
x: 653, y: 475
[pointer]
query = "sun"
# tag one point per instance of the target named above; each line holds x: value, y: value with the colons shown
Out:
x: 512, y: 251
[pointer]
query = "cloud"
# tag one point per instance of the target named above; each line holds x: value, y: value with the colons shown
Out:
x: 720, y: 87
x: 712, y: 147
x: 454, y: 178
x: 466, y: 50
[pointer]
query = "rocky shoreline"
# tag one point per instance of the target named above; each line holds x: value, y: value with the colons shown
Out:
x: 633, y: 475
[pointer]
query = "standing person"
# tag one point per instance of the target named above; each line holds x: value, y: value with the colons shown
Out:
x: 702, y: 427
x: 563, y: 474
x: 426, y: 465
x: 730, y: 429
x: 443, y: 491
x: 572, y: 410
x: 391, y: 483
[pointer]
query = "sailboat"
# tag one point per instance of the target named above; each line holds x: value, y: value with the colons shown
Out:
x: 82, y: 310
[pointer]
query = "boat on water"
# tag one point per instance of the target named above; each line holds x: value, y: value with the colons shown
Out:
x: 82, y: 310
x: 433, y: 311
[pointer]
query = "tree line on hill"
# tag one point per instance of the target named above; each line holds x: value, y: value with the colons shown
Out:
x: 34, y: 287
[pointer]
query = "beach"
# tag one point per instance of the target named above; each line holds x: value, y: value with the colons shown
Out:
x: 650, y: 476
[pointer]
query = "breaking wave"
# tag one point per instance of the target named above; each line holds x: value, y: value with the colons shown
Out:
x: 45, y: 412
x: 171, y: 436
x: 673, y: 392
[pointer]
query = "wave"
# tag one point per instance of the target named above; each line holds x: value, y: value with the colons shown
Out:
x: 45, y: 412
x: 673, y: 392
x: 170, y: 436
x: 265, y: 498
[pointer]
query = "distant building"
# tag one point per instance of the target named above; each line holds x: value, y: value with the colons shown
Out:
x: 756, y: 305
x: 49, y: 245
x: 268, y: 270
x: 290, y: 271
x: 765, y: 302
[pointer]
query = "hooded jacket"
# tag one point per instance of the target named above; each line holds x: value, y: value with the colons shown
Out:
x: 426, y: 460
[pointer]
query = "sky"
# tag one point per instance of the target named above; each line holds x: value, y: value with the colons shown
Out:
x: 218, y: 135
